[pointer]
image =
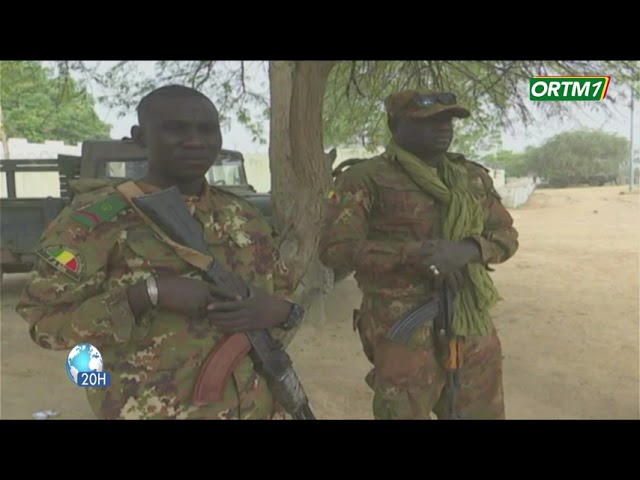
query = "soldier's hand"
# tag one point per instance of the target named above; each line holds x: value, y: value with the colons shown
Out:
x: 189, y: 296
x: 259, y: 310
x: 439, y: 258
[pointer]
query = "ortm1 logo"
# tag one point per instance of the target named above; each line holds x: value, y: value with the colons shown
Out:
x: 568, y: 89
x: 84, y: 367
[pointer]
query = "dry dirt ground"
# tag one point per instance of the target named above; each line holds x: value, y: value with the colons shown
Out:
x: 568, y: 323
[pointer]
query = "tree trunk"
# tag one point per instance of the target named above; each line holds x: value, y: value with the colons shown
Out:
x: 3, y: 136
x: 300, y: 172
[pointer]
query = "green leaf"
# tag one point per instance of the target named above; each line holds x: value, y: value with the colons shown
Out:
x: 38, y: 105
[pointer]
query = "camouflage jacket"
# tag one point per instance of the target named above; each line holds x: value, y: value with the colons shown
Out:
x: 100, y: 246
x: 376, y: 213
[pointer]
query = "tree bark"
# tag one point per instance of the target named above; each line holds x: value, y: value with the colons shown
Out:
x: 300, y: 172
x: 3, y: 136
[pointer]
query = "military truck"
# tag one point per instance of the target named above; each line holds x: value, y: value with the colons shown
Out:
x: 23, y: 220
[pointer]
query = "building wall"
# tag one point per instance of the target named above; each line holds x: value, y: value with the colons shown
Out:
x: 516, y: 191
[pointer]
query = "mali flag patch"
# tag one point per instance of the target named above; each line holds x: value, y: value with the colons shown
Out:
x: 332, y: 196
x: 65, y: 259
x: 100, y: 212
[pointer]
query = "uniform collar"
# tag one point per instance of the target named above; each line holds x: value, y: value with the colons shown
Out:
x: 201, y: 202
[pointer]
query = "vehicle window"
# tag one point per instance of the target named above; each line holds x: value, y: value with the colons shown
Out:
x: 227, y: 173
x: 133, y: 169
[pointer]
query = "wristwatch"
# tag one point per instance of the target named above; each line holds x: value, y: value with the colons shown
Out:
x: 295, y: 317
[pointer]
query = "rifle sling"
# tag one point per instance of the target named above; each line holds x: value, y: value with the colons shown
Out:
x: 199, y: 260
x: 232, y: 349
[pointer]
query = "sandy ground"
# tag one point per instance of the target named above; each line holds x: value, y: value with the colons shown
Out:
x: 568, y: 323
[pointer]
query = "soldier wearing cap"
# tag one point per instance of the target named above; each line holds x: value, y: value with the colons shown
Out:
x: 411, y: 222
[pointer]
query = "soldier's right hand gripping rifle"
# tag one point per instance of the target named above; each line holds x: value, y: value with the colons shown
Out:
x: 166, y: 213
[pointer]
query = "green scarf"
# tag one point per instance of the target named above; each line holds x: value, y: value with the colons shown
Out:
x: 462, y: 217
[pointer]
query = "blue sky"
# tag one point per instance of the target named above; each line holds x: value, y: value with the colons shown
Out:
x: 237, y: 137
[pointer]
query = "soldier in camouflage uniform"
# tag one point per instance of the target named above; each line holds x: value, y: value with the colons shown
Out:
x: 407, y: 221
x: 91, y: 282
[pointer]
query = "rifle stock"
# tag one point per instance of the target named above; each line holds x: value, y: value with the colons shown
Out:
x: 168, y: 211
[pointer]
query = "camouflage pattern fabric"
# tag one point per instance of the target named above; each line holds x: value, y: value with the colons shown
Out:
x: 373, y: 216
x: 95, y: 249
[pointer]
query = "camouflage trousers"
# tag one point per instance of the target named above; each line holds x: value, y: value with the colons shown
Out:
x: 409, y: 381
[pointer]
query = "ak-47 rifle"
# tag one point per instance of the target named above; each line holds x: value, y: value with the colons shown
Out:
x: 167, y: 210
x: 439, y: 311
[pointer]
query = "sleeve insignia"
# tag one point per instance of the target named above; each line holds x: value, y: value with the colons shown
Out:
x: 64, y: 259
x: 100, y: 211
x: 332, y: 196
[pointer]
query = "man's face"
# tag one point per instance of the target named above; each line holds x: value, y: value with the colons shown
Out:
x: 424, y: 136
x: 182, y: 135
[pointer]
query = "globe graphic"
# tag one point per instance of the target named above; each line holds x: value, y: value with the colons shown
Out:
x: 83, y: 358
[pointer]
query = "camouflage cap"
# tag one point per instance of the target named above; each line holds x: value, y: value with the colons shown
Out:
x: 423, y: 103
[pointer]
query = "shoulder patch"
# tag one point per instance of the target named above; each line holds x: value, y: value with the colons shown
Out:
x: 332, y: 196
x: 65, y: 259
x: 100, y: 211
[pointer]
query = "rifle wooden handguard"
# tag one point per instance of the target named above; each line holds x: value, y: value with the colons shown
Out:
x: 218, y: 367
x: 456, y: 354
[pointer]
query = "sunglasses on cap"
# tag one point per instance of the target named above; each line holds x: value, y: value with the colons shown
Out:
x: 425, y: 101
